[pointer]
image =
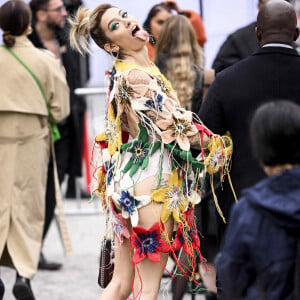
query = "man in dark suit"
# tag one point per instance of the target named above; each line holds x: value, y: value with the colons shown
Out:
x: 271, y: 73
x: 238, y: 45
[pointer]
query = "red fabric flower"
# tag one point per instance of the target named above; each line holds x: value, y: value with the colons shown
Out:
x: 187, y: 236
x: 148, y: 243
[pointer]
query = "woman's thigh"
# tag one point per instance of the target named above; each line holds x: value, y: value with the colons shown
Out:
x: 148, y: 274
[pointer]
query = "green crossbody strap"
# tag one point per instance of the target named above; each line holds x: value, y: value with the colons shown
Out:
x: 51, y: 121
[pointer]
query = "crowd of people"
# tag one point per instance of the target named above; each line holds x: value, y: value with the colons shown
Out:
x: 195, y: 167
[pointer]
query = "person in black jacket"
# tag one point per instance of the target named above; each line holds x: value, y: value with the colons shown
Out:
x: 238, y: 45
x: 260, y: 249
x: 271, y: 73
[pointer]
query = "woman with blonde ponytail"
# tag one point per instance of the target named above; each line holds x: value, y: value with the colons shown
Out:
x: 145, y: 175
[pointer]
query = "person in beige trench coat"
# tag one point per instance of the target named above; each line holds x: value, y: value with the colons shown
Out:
x: 25, y: 139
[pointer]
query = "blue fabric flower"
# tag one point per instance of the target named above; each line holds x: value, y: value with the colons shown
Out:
x: 148, y: 242
x: 150, y: 103
x: 159, y: 101
x: 128, y: 203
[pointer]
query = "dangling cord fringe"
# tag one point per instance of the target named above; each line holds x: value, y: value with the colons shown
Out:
x: 216, y: 199
x: 133, y: 276
x: 232, y: 188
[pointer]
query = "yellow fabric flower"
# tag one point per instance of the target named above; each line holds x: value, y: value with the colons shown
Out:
x: 112, y: 132
x: 220, y: 151
x: 173, y: 199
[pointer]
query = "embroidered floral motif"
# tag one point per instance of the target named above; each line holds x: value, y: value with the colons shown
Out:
x: 163, y: 86
x: 186, y: 238
x: 186, y: 235
x: 157, y: 103
x: 181, y: 157
x: 174, y: 202
x: 140, y: 149
x: 112, y: 132
x: 128, y: 204
x: 220, y: 150
x: 178, y: 128
x: 150, y: 103
x: 148, y: 243
x: 124, y: 94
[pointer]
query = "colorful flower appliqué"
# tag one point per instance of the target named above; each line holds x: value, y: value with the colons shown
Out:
x: 140, y: 149
x: 187, y: 236
x: 178, y: 128
x: 124, y: 94
x: 173, y: 199
x: 128, y: 204
x: 112, y: 133
x: 148, y: 243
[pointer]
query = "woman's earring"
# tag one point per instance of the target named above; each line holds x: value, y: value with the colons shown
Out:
x: 118, y: 54
x: 151, y: 39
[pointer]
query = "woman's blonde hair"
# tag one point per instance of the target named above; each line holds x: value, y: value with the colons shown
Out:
x: 177, y: 40
x: 88, y: 23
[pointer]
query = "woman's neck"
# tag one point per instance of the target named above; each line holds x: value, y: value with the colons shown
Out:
x: 140, y: 58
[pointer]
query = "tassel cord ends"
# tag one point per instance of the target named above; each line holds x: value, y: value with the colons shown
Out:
x: 218, y: 160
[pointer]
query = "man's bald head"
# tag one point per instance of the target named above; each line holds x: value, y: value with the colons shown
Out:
x: 277, y: 23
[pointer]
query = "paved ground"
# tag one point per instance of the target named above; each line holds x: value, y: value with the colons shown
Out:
x: 78, y: 278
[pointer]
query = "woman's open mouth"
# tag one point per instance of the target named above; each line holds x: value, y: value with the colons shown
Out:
x: 139, y: 33
x: 134, y: 30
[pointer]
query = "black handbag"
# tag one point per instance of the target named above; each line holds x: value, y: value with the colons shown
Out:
x: 106, y: 266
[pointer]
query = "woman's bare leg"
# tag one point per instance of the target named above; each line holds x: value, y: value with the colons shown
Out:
x: 148, y: 274
x: 121, y: 284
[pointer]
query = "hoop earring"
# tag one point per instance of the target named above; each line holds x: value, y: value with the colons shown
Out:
x: 118, y: 54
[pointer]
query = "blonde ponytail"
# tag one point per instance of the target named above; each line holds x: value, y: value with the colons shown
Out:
x: 80, y: 30
x: 85, y: 23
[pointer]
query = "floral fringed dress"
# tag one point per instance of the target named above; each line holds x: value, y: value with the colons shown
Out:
x: 144, y: 158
